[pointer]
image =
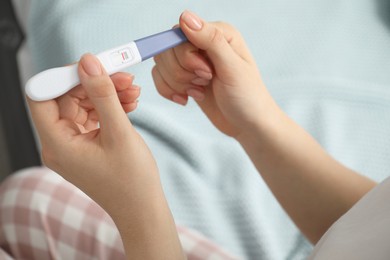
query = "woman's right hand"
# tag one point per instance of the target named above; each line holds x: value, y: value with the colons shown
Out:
x: 216, y: 69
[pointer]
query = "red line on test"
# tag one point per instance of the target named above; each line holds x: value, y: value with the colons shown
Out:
x: 123, y: 56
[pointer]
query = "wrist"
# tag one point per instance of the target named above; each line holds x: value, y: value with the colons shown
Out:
x: 131, y: 193
x: 144, y: 220
x: 265, y: 126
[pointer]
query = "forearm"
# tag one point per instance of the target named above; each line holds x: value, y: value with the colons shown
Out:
x: 313, y: 188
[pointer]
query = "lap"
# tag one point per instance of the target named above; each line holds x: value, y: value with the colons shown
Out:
x: 45, y: 217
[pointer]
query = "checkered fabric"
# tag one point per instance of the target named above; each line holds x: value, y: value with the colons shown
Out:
x: 42, y: 216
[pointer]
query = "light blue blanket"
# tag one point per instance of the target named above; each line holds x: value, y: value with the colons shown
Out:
x: 327, y: 63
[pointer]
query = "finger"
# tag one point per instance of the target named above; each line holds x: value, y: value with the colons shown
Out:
x: 45, y: 115
x: 101, y: 91
x: 164, y: 89
x: 92, y: 121
x: 50, y: 128
x: 122, y: 80
x: 191, y: 59
x: 129, y: 107
x: 129, y: 95
x: 235, y: 40
x: 214, y: 39
x: 197, y: 62
x: 178, y: 78
x: 176, y: 83
x: 80, y: 109
x: 127, y: 92
x: 126, y: 96
x: 184, y: 67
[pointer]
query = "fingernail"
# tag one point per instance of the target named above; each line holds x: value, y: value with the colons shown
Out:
x: 203, y: 74
x: 200, y: 82
x: 91, y: 65
x: 179, y: 99
x: 192, y: 20
x: 196, y: 94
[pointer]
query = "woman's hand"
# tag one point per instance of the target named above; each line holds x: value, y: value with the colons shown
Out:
x: 86, y: 136
x: 218, y: 71
x: 88, y: 139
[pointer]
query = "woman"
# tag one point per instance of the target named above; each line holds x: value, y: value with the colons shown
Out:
x: 218, y: 71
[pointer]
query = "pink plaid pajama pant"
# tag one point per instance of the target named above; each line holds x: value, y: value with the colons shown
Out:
x: 43, y: 217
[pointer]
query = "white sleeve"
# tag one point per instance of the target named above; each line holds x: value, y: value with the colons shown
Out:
x: 363, y: 232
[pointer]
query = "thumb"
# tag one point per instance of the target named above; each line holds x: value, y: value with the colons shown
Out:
x: 213, y: 38
x: 101, y: 91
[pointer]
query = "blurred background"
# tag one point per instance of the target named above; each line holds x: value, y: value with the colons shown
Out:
x: 17, y: 146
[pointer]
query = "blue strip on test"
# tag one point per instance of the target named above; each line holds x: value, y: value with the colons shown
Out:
x: 157, y: 43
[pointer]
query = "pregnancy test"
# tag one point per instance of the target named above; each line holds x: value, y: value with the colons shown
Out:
x: 55, y: 82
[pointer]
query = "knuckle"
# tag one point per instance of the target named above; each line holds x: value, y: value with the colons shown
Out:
x: 154, y: 72
x: 187, y: 60
x: 157, y: 77
x: 216, y: 36
x: 162, y: 91
x: 226, y: 26
x: 157, y: 58
x: 228, y: 29
x: 179, y: 76
x: 161, y: 87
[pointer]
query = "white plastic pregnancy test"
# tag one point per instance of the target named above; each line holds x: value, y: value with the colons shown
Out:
x: 55, y: 82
